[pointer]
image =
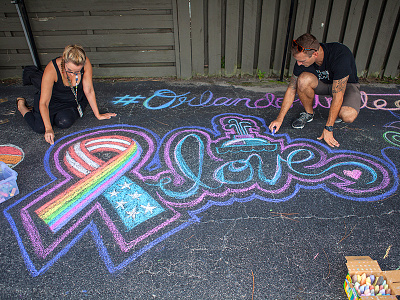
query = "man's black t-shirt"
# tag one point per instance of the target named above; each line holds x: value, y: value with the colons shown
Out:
x: 338, y: 63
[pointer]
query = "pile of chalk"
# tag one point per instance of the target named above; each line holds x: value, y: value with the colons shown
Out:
x: 370, y: 285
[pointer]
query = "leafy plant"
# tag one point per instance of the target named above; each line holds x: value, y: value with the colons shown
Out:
x: 260, y: 74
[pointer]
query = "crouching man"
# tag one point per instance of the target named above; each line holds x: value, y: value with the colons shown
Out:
x: 322, y: 69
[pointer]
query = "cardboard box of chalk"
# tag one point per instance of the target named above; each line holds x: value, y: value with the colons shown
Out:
x: 8, y: 182
x: 365, y: 274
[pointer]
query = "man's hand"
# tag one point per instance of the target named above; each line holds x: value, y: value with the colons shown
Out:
x: 329, y: 139
x: 49, y: 136
x: 275, y: 125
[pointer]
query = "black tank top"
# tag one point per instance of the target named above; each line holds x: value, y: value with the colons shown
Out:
x: 62, y: 96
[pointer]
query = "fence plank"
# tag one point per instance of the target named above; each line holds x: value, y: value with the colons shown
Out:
x: 183, y: 31
x: 197, y: 18
x: 94, y: 5
x: 249, y: 36
x: 11, y: 23
x: 302, y: 18
x: 368, y: 29
x: 350, y: 34
x: 336, y: 20
x: 133, y: 57
x: 300, y: 27
x: 266, y: 35
x: 147, y: 40
x: 214, y: 37
x: 319, y: 19
x: 7, y: 7
x: 392, y: 67
x: 382, y: 43
x: 91, y: 22
x: 98, y: 23
x: 232, y: 37
x: 101, y: 58
x: 159, y: 71
x: 176, y: 39
x: 281, y: 35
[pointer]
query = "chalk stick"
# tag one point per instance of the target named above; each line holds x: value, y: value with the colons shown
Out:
x: 13, y: 192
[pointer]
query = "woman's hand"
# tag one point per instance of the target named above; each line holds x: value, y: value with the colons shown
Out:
x: 49, y: 136
x: 106, y: 116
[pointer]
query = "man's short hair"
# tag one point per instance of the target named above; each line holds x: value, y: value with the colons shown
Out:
x: 307, y: 41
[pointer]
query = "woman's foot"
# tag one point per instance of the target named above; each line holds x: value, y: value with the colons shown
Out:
x: 22, y: 106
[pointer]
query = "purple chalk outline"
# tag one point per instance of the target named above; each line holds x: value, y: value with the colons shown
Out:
x: 380, y: 104
x: 339, y: 155
x: 32, y: 230
x: 41, y: 251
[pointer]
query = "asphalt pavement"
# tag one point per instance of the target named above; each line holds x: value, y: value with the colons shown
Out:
x: 186, y: 194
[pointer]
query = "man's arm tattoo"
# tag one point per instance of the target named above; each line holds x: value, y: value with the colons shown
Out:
x: 293, y: 82
x: 339, y: 85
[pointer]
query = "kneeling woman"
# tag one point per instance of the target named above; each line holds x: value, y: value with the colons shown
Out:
x: 66, y: 88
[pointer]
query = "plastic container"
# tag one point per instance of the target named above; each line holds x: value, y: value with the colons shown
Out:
x: 8, y: 182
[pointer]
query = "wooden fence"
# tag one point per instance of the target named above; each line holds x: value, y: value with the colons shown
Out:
x: 185, y: 38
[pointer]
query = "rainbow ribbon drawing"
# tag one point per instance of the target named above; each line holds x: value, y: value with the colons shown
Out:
x: 59, y: 211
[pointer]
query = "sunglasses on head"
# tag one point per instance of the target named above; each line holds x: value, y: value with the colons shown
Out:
x: 301, y: 48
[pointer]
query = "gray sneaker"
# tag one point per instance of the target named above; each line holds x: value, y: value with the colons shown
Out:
x: 304, y: 118
x: 338, y: 120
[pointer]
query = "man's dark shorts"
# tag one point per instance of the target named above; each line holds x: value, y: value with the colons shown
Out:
x: 352, y: 96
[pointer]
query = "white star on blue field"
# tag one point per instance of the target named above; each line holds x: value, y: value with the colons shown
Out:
x: 132, y: 203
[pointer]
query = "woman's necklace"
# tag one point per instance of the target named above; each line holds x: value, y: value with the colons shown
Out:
x: 75, y: 92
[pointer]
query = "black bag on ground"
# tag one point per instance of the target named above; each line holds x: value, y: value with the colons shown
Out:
x: 31, y: 75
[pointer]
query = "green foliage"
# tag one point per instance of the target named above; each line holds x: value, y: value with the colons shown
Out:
x: 260, y: 74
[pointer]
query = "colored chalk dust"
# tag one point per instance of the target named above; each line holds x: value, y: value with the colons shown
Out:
x: 132, y: 203
x: 188, y: 171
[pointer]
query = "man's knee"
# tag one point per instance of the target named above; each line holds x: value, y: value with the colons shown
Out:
x: 348, y: 114
x: 306, y: 81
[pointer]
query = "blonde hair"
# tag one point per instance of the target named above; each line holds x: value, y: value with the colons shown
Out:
x: 75, y: 54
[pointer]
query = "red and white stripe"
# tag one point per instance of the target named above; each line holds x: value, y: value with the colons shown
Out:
x: 80, y: 158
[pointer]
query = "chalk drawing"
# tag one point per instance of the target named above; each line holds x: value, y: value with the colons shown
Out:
x: 380, y: 103
x: 163, y: 99
x: 131, y: 189
x: 391, y: 136
x: 11, y: 155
